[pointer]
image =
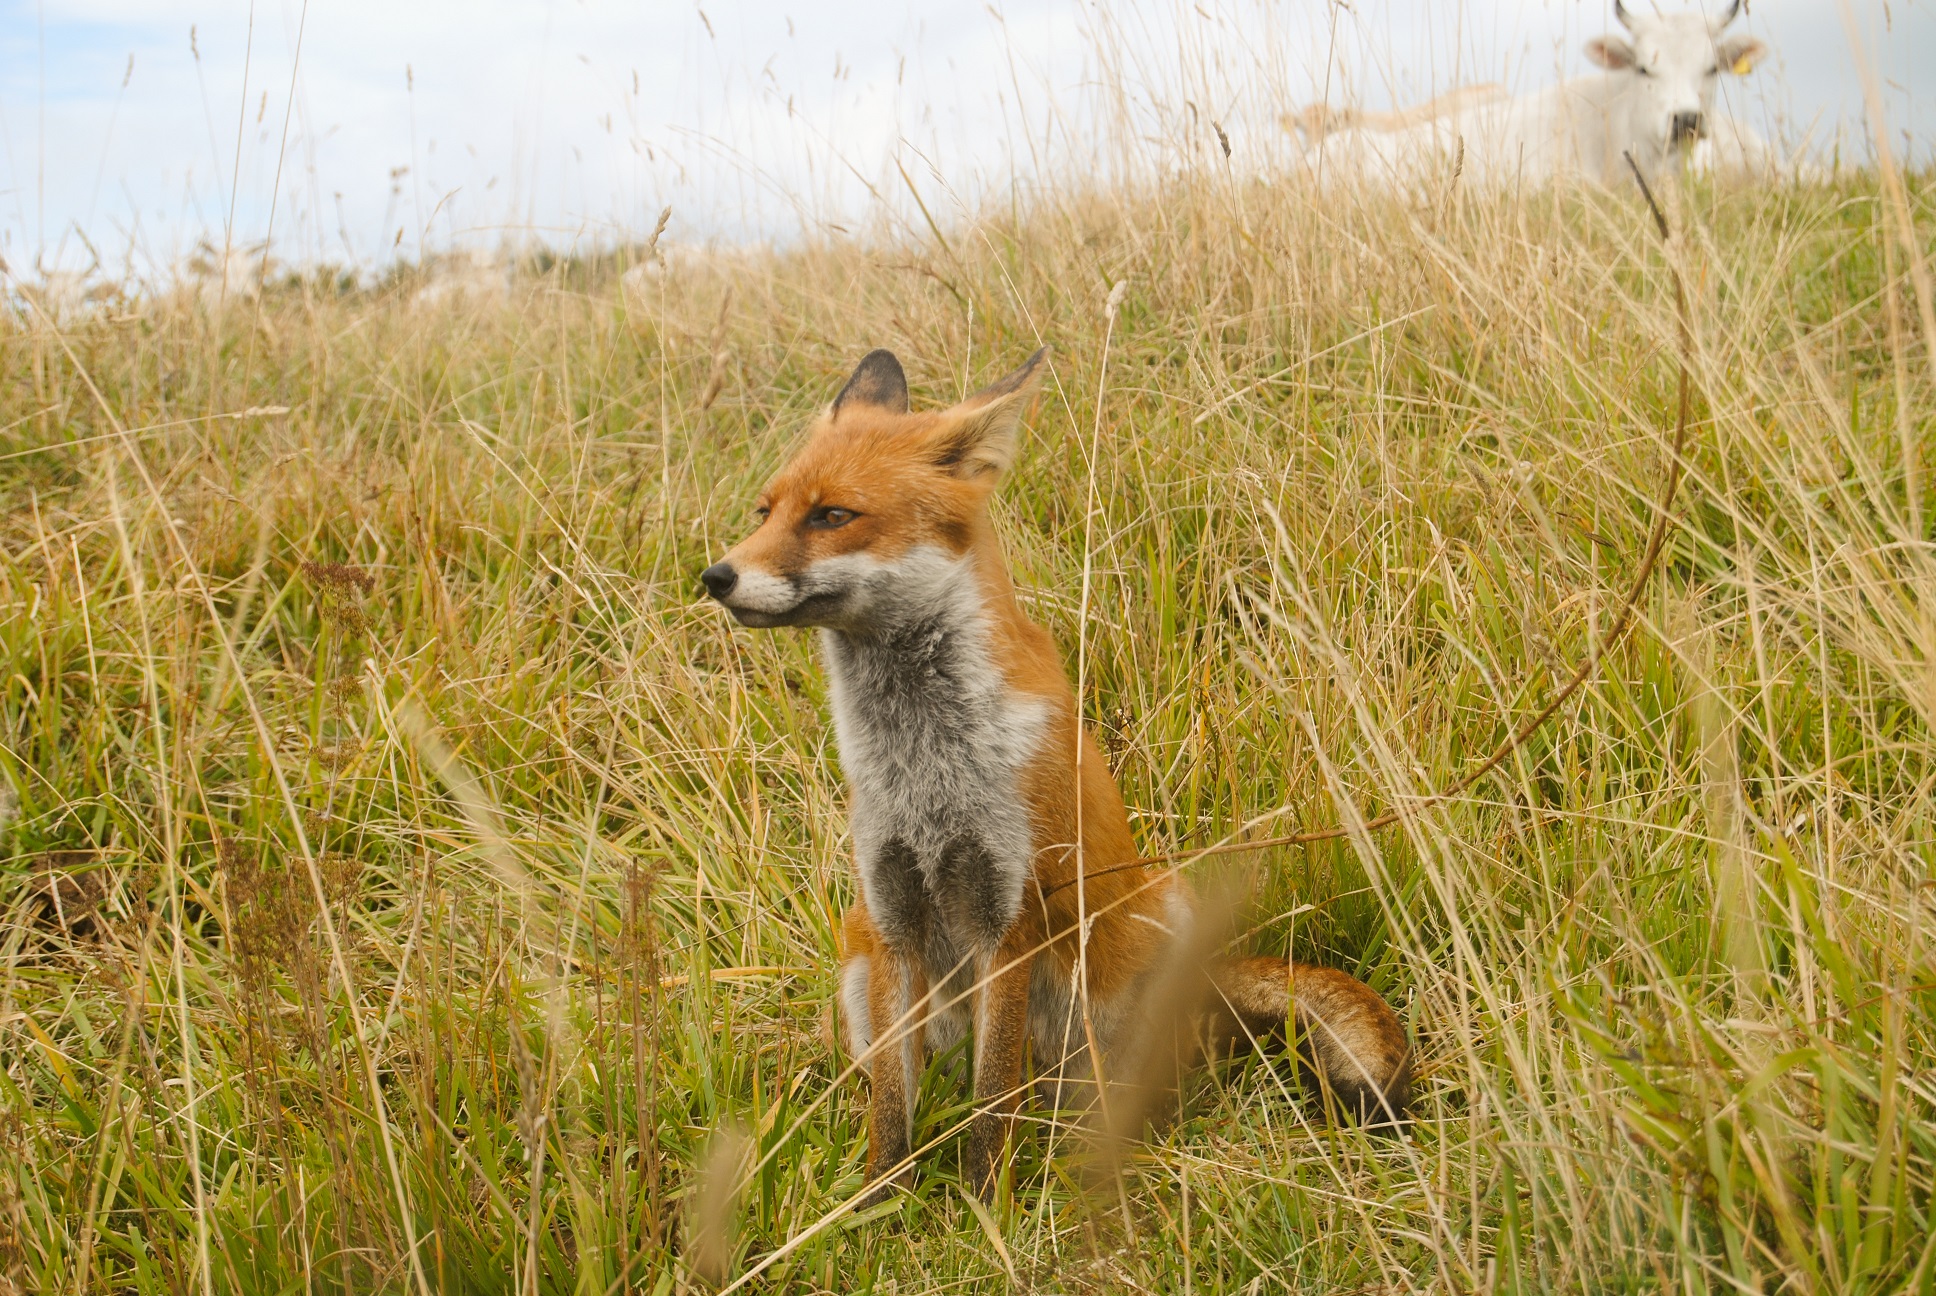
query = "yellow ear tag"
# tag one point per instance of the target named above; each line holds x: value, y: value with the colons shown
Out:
x: 1742, y: 66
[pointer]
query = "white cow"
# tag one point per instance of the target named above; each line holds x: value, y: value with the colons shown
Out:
x: 1653, y: 100
x: 1316, y: 121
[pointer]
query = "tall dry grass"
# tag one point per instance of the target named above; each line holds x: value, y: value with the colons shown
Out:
x: 412, y: 885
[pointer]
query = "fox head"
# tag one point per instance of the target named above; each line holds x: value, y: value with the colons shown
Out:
x: 877, y: 497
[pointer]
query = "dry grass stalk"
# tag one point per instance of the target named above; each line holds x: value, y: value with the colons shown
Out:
x: 710, y: 1229
x: 721, y: 357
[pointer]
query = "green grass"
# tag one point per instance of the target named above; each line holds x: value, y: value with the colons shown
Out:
x: 411, y: 879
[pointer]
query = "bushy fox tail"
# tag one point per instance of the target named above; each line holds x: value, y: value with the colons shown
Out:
x: 1344, y: 1031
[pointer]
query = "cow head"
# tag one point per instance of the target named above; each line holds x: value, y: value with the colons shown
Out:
x: 1674, y: 61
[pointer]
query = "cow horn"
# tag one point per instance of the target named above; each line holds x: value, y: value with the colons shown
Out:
x: 1734, y: 11
x: 1621, y: 16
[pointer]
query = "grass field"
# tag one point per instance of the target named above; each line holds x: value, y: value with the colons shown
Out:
x: 410, y: 885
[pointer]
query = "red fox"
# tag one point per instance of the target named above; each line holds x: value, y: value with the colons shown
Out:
x: 977, y: 795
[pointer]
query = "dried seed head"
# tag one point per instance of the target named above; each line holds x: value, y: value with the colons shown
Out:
x: 342, y: 876
x: 341, y: 579
x: 340, y: 587
x: 652, y: 243
x: 269, y: 913
x: 336, y: 756
x: 346, y: 619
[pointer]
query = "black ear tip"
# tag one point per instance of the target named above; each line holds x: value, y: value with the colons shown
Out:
x: 1009, y: 384
x: 879, y: 369
x: 877, y: 380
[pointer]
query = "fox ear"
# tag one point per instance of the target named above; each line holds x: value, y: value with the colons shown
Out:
x: 878, y: 381
x: 1610, y: 52
x: 978, y: 436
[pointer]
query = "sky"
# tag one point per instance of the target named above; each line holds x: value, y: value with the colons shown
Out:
x: 356, y: 132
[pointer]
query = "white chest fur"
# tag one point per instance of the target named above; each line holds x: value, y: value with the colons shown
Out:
x: 933, y: 742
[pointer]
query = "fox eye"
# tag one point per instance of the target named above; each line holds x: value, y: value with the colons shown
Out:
x: 761, y: 511
x: 826, y: 519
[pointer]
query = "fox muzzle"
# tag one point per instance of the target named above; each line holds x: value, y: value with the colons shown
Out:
x: 763, y: 601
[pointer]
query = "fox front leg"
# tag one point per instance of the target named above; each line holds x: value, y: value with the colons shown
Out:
x: 897, y: 1006
x: 1001, y: 1026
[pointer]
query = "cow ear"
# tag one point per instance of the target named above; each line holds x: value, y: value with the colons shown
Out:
x: 977, y: 437
x: 1739, y: 54
x: 1610, y: 52
x: 879, y: 381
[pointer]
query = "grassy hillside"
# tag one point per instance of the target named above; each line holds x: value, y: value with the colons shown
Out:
x: 410, y: 885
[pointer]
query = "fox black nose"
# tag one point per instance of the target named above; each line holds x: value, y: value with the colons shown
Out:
x: 1686, y: 126
x: 719, y: 579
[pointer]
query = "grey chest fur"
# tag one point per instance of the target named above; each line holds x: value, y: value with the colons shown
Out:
x: 933, y: 743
